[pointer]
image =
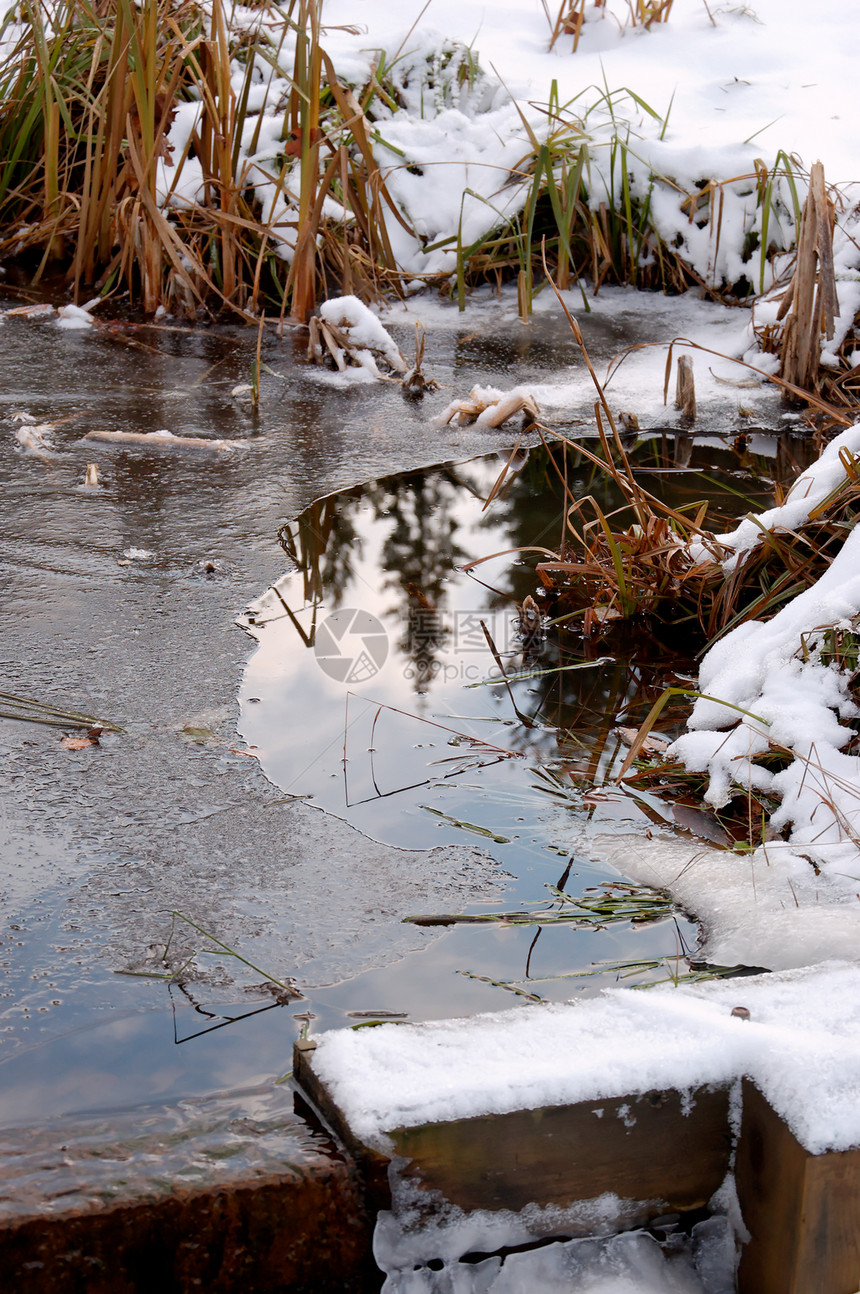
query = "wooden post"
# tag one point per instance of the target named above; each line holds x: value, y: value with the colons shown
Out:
x: 657, y: 1152
x: 802, y: 1210
x: 685, y: 390
x: 243, y: 1195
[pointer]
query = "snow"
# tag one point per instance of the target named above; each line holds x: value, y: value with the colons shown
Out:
x: 772, y: 69
x: 774, y: 685
x: 711, y: 103
x: 363, y: 331
x: 355, y: 333
x: 811, y: 489
x: 802, y: 1038
x: 74, y: 317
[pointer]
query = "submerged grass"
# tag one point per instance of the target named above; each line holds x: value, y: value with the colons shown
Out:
x: 606, y: 904
x: 634, y: 968
x: 26, y: 709
x: 611, y: 903
x: 215, y: 947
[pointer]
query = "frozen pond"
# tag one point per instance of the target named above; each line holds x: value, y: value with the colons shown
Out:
x: 127, y: 601
x: 376, y: 693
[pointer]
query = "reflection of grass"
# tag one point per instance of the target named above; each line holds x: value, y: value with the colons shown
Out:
x: 606, y: 904
x: 623, y: 970
x: 220, y: 950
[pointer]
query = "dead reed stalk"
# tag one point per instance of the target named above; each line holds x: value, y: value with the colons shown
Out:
x: 639, y: 559
x: 88, y: 95
x: 809, y: 306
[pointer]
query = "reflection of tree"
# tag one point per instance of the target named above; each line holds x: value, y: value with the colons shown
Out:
x: 417, y: 555
x: 417, y: 558
x: 420, y: 543
x: 327, y: 540
x: 324, y: 544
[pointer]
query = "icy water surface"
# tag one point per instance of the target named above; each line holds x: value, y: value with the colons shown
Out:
x: 395, y: 687
x: 128, y: 601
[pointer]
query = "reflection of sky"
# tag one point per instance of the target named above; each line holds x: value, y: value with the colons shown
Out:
x: 406, y: 760
x: 454, y: 757
x: 99, y: 1067
x: 461, y: 974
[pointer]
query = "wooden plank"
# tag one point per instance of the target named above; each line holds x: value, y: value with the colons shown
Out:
x: 802, y: 1210
x: 374, y: 1166
x: 667, y: 1150
x: 669, y: 1153
x: 239, y: 1195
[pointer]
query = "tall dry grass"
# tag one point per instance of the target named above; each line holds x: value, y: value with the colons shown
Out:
x: 91, y: 189
x: 88, y: 94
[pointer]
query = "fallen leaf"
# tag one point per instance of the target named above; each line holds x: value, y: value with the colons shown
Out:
x: 293, y: 146
x: 603, y: 613
x: 77, y: 743
x: 199, y: 735
x: 652, y: 745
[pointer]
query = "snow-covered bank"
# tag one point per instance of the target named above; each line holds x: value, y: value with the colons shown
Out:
x: 774, y: 74
x: 801, y: 1047
x: 809, y: 493
x: 785, y: 685
x: 782, y: 687
x: 707, y: 123
x: 767, y: 908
